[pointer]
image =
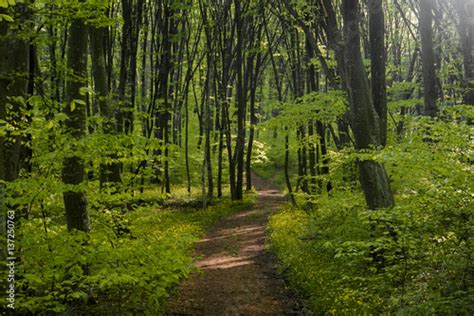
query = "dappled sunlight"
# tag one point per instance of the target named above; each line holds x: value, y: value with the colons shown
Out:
x: 229, y: 236
x: 270, y: 193
x: 225, y: 262
x: 236, y: 269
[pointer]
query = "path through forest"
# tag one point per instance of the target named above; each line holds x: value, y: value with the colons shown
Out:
x: 238, y: 274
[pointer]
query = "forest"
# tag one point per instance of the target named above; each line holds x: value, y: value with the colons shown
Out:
x: 226, y: 157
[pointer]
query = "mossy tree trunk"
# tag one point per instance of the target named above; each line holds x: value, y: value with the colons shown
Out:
x: 365, y: 120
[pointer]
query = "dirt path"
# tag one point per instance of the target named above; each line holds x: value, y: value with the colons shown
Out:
x: 238, y: 275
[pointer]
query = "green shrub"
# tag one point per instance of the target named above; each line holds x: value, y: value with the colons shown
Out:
x: 128, y: 264
x: 413, y: 259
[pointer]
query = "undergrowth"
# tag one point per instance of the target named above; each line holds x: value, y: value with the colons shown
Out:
x: 127, y: 265
x: 413, y: 259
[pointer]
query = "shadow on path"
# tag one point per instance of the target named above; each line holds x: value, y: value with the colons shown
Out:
x: 238, y: 275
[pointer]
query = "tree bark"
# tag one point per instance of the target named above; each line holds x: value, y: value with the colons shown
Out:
x: 378, y: 58
x: 77, y: 216
x: 466, y: 33
x: 14, y: 70
x: 122, y: 114
x: 253, y: 122
x: 108, y: 172
x: 365, y: 121
x: 240, y: 102
x: 428, y: 58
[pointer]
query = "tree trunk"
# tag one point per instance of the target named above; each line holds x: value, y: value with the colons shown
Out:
x: 253, y: 122
x: 206, y: 115
x: 110, y: 172
x: 378, y: 58
x: 77, y: 216
x: 240, y: 103
x: 287, y: 165
x: 466, y: 33
x: 14, y: 70
x: 365, y: 121
x: 428, y: 58
x: 124, y: 64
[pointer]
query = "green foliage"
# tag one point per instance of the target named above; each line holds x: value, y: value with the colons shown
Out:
x: 128, y: 264
x: 7, y: 3
x: 138, y: 249
x: 413, y: 259
x: 325, y: 107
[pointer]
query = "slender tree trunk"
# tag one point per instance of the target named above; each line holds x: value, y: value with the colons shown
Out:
x: 219, y: 162
x: 465, y: 12
x: 378, y: 58
x: 228, y: 136
x: 240, y: 102
x: 312, y: 158
x: 77, y: 216
x: 287, y: 173
x: 186, y: 145
x: 403, y: 110
x: 253, y: 122
x: 324, y: 169
x: 134, y: 40
x: 122, y: 114
x: 428, y: 58
x: 54, y: 79
x: 207, y: 115
x: 110, y: 172
x: 253, y: 78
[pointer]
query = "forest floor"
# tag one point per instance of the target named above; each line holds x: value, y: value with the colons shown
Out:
x: 238, y: 274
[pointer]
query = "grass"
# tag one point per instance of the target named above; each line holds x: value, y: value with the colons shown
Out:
x: 128, y: 264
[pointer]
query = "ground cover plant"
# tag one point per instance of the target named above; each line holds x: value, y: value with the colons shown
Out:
x: 135, y: 131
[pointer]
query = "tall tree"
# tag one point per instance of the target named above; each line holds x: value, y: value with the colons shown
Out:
x: 428, y: 58
x: 241, y: 99
x: 109, y: 172
x: 465, y: 11
x: 14, y: 69
x: 365, y: 120
x: 206, y: 115
x: 123, y: 114
x: 77, y: 216
x: 378, y: 58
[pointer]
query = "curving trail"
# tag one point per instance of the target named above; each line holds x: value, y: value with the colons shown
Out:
x: 238, y: 275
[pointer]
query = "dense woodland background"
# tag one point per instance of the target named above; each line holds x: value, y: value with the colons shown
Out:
x: 128, y: 127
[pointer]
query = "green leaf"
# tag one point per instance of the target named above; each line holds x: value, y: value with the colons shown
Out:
x: 3, y: 4
x: 35, y: 100
x: 79, y: 101
x: 84, y: 90
x: 6, y: 17
x: 79, y: 295
x: 60, y: 117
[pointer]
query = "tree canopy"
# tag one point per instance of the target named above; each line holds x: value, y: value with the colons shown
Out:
x: 127, y: 127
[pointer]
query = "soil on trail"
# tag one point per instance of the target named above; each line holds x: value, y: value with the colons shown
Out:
x: 238, y: 275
